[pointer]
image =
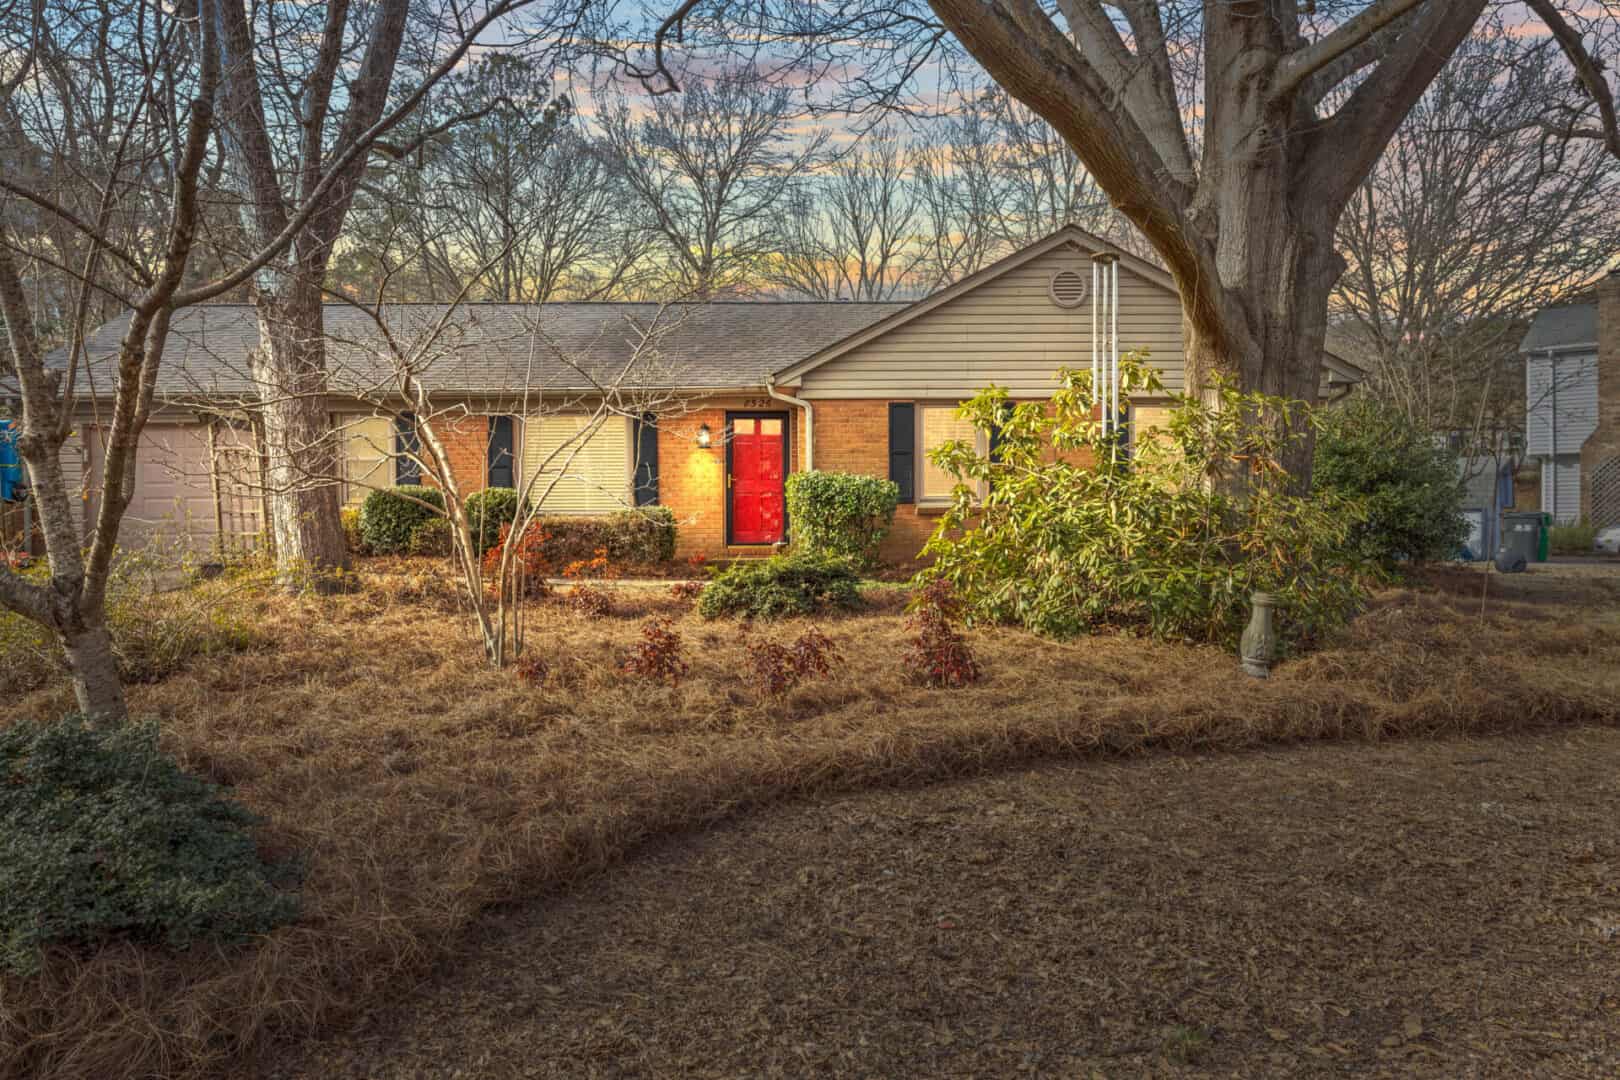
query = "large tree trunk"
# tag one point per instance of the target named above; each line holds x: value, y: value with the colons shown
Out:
x: 94, y: 668
x: 1266, y: 330
x: 300, y: 454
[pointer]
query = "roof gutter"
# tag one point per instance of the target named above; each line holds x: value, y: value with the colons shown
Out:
x: 809, y: 420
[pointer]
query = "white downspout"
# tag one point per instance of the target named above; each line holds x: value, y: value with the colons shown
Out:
x: 809, y: 420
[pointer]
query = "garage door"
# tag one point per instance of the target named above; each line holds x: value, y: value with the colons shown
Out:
x: 173, y: 507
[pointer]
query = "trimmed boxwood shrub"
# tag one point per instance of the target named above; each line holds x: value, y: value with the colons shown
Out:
x: 102, y: 834
x: 487, y: 511
x: 432, y: 537
x: 794, y: 584
x: 390, y: 515
x: 841, y: 514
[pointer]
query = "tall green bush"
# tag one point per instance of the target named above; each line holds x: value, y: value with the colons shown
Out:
x: 390, y: 515
x: 487, y: 511
x: 841, y: 514
x: 1409, y: 484
x: 102, y: 834
x: 1075, y: 535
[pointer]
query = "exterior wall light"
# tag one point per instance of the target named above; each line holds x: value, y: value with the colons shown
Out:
x: 704, y: 437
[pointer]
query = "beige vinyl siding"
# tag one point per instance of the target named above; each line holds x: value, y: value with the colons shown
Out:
x: 592, y: 476
x: 368, y: 461
x: 75, y: 464
x: 1006, y: 331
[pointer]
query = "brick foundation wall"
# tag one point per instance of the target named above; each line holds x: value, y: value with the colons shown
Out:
x: 1604, y: 444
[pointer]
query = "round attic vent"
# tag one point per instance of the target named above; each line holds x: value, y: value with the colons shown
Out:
x: 1067, y: 289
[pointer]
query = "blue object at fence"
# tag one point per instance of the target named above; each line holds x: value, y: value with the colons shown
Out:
x: 10, y: 463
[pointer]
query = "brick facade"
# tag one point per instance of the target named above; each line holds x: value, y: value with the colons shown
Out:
x: 692, y: 480
x: 466, y: 444
x: 853, y: 436
x: 1600, y: 486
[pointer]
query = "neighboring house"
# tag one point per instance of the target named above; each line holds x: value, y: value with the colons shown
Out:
x: 1572, y: 406
x: 766, y: 388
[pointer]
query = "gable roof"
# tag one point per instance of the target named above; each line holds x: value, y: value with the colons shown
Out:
x: 494, y: 348
x: 1067, y: 235
x: 1571, y: 326
x: 1340, y: 370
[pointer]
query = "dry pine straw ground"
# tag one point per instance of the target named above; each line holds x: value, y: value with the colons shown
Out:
x: 1440, y: 908
x: 423, y: 788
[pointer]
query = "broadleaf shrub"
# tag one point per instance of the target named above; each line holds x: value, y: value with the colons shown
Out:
x: 1410, y: 486
x: 686, y: 591
x: 841, y: 514
x: 103, y: 835
x: 593, y: 546
x: 660, y: 654
x: 390, y: 515
x: 487, y: 511
x: 1073, y: 535
x: 783, y: 585
x: 775, y: 668
x: 588, y: 601
x: 937, y: 654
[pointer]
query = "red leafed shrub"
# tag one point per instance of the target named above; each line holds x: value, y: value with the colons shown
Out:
x: 532, y: 562
x: 597, y: 566
x: 589, y: 602
x: 659, y: 653
x: 532, y: 669
x: 938, y: 655
x: 698, y: 561
x: 686, y: 591
x: 775, y: 668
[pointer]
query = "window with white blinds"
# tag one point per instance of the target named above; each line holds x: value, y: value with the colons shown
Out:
x: 939, y: 424
x: 368, y: 464
x: 591, y: 470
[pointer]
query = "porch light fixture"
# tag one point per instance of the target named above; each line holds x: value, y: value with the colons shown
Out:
x: 704, y: 437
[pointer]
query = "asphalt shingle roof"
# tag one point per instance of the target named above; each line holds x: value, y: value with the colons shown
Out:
x: 494, y: 348
x: 1556, y: 327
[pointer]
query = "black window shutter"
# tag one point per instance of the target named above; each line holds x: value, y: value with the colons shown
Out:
x: 406, y: 470
x: 646, y: 475
x: 502, y: 449
x: 903, y: 448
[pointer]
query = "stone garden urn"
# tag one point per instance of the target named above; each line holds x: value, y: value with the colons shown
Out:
x: 1259, y: 643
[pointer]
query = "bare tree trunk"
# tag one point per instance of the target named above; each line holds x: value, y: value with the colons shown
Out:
x: 94, y: 667
x: 290, y: 369
x: 1267, y: 331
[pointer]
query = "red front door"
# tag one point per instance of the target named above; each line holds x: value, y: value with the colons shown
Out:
x: 757, y: 460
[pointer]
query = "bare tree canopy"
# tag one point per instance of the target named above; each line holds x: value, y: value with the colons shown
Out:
x: 1472, y: 220
x: 712, y: 168
x: 1232, y: 135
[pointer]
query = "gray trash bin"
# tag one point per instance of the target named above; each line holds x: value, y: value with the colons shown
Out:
x: 1521, y: 536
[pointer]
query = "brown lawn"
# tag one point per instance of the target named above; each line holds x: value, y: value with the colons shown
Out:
x: 423, y: 788
x: 1442, y: 908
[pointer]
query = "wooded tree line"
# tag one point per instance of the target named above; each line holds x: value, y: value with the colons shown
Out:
x: 1279, y: 161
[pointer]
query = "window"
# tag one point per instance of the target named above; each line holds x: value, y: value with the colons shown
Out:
x: 407, y: 450
x: 368, y: 456
x: 937, y: 425
x: 584, y: 474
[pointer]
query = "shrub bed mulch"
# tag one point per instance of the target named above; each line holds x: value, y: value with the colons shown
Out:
x: 422, y: 788
x: 1423, y: 908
